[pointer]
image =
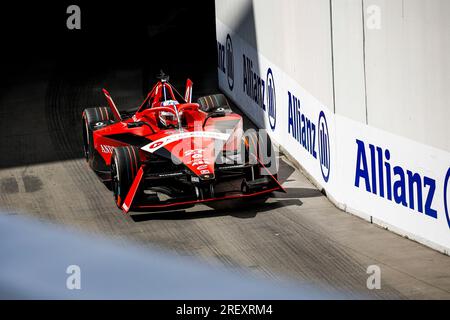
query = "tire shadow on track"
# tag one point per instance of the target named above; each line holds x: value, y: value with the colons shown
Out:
x: 247, y: 210
x: 235, y: 208
x: 238, y: 208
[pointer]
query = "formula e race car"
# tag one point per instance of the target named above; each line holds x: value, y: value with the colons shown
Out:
x: 171, y: 152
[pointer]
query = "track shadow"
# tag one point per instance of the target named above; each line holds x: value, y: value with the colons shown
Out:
x: 284, y: 171
x: 243, y: 209
x: 237, y: 209
x: 299, y: 193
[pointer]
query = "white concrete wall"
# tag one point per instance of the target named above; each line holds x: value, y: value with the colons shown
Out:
x: 374, y: 98
x: 402, y: 68
x: 293, y: 34
x: 348, y: 46
x: 408, y: 70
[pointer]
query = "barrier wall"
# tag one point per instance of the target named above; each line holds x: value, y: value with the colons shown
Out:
x: 314, y: 98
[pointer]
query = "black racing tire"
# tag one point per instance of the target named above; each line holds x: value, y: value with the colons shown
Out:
x: 216, y: 102
x: 90, y: 117
x: 264, y: 150
x: 247, y: 151
x: 268, y: 155
x: 125, y: 163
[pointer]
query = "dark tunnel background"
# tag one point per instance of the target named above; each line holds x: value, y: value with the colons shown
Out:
x: 49, y: 73
x: 176, y: 36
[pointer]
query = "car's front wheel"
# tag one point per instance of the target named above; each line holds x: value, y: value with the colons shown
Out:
x: 125, y: 163
x: 90, y: 117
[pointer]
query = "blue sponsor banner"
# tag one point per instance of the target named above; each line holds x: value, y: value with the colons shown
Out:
x: 225, y: 60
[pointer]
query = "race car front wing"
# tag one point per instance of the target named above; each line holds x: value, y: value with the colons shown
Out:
x: 258, y: 187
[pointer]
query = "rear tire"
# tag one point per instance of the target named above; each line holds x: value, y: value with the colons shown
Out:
x: 268, y: 155
x: 248, y: 156
x: 213, y: 103
x: 125, y: 163
x: 262, y: 149
x: 90, y: 117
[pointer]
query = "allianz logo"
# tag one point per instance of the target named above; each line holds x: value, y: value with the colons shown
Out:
x: 226, y: 60
x: 261, y: 91
x: 300, y: 126
x: 313, y: 138
x: 253, y: 85
x: 376, y: 174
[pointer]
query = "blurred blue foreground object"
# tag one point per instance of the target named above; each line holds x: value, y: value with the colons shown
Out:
x: 45, y: 261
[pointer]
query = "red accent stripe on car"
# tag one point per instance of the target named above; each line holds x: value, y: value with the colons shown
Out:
x: 239, y: 196
x: 126, y: 206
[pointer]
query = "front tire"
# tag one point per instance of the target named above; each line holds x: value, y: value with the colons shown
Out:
x: 90, y: 117
x: 125, y: 163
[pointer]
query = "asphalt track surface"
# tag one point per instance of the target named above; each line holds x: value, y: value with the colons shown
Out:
x: 51, y: 77
x: 298, y: 235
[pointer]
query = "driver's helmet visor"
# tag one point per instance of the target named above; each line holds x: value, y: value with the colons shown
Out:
x: 169, y: 103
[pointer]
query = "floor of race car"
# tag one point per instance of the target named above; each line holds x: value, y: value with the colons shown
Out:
x: 299, y: 234
x: 223, y: 190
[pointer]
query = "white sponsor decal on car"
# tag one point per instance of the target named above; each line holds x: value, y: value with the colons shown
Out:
x: 106, y: 149
x: 155, y: 145
x: 196, y: 159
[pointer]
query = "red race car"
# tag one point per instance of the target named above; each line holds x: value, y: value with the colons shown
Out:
x: 171, y: 152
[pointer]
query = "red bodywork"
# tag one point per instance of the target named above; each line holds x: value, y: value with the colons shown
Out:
x: 195, y: 144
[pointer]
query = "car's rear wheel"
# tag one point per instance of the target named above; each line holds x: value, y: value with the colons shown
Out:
x: 91, y: 117
x: 260, y: 151
x: 213, y: 103
x: 269, y: 155
x: 125, y: 163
